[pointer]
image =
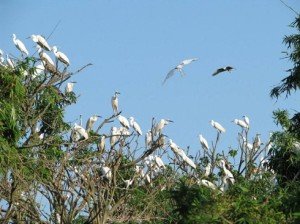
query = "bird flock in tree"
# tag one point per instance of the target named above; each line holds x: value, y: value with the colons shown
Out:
x: 129, y: 127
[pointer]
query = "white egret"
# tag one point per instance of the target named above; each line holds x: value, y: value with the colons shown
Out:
x: 128, y: 183
x: 123, y: 121
x: 106, y: 172
x: 227, y: 172
x: 135, y: 126
x: 91, y: 121
x: 101, y: 144
x: 147, y: 177
x: 207, y: 183
x: 114, y: 136
x: 219, y: 70
x: 45, y: 57
x: 179, y: 68
x: 217, y: 126
x: 207, y: 170
x: 75, y: 136
x: 41, y: 42
x: 148, y: 139
x: 203, y: 142
x: 69, y: 87
x: 81, y: 131
x: 247, y: 120
x: 241, y: 123
x: 178, y: 151
x: 160, y: 125
x: 257, y: 142
x: 115, y: 102
x: 159, y: 162
x: 39, y: 69
x: 19, y: 44
x: 61, y: 56
x: 9, y: 62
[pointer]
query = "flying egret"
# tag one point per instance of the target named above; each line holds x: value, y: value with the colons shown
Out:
x: 227, y: 172
x: 135, y: 126
x: 115, y: 102
x: 217, y: 126
x: 91, y: 121
x: 241, y: 123
x: 81, y: 131
x: 61, y: 56
x: 219, y: 70
x: 178, y: 151
x: 69, y: 87
x: 41, y: 42
x: 19, y: 44
x: 247, y: 120
x: 123, y: 121
x: 45, y: 57
x: 160, y: 125
x: 179, y: 68
x: 207, y: 183
x: 203, y: 142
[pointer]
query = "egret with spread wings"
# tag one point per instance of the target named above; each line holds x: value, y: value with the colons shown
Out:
x: 179, y: 68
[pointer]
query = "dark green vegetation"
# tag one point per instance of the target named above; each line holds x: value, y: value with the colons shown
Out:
x: 49, y: 173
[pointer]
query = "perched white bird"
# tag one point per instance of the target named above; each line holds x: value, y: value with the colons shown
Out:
x: 106, y: 172
x: 257, y: 142
x: 9, y: 62
x: 148, y: 139
x: 179, y: 68
x: 128, y: 183
x: 81, y: 131
x: 114, y: 136
x: 91, y: 121
x: 246, y: 144
x: 45, y: 57
x: 39, y: 69
x: 135, y: 126
x: 102, y: 143
x: 147, y: 177
x: 123, y: 121
x: 217, y: 126
x: 247, y: 120
x: 61, y: 56
x: 207, y: 170
x: 69, y: 87
x: 241, y: 123
x: 115, y: 102
x: 159, y: 162
x: 178, y: 151
x: 207, y: 183
x: 41, y: 42
x: 203, y: 142
x: 219, y: 70
x: 19, y: 44
x: 1, y: 58
x: 227, y: 172
x: 160, y: 125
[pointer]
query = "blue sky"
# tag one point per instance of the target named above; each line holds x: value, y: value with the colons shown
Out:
x: 133, y: 45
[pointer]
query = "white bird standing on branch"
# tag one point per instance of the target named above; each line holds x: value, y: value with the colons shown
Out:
x: 61, y: 56
x: 203, y: 142
x: 179, y: 68
x: 19, y: 44
x: 178, y: 151
x: 241, y: 123
x: 247, y: 120
x: 69, y: 87
x: 123, y: 121
x: 227, y: 172
x: 9, y: 62
x: 217, y: 126
x: 207, y: 183
x: 135, y: 126
x: 80, y: 130
x: 106, y: 172
x: 115, y: 102
x: 160, y: 125
x: 219, y: 70
x: 148, y: 139
x: 91, y: 121
x: 207, y: 170
x: 41, y: 42
x: 45, y: 57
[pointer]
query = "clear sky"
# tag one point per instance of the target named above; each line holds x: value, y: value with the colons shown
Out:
x: 133, y: 44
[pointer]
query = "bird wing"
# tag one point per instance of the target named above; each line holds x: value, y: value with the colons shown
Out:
x: 188, y: 61
x: 218, y: 71
x: 169, y: 75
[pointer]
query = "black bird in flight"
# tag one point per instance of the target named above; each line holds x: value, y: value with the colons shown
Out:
x: 225, y: 69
